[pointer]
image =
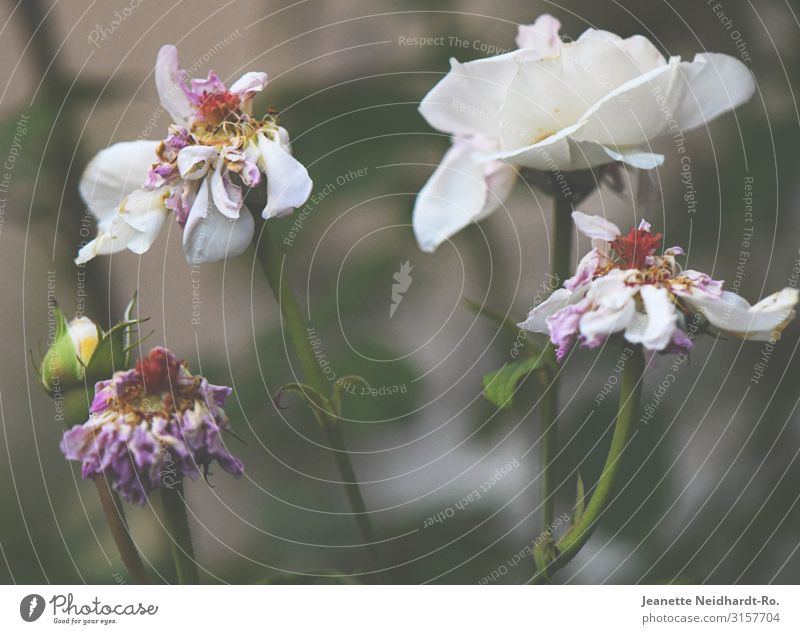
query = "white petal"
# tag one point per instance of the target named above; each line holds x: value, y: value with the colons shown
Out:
x: 114, y: 173
x: 85, y: 335
x: 595, y: 227
x: 613, y: 307
x: 249, y: 84
x: 169, y: 84
x: 677, y: 96
x: 537, y: 318
x: 549, y: 95
x: 150, y: 224
x: 193, y: 160
x: 587, y: 267
x: 468, y: 99
x: 283, y: 139
x: 541, y: 36
x: 559, y: 151
x: 655, y: 327
x: 112, y: 237
x: 209, y: 236
x: 227, y: 197
x: 732, y: 314
x: 500, y: 179
x: 458, y: 194
x: 288, y: 182
x: 145, y: 212
x: 636, y: 157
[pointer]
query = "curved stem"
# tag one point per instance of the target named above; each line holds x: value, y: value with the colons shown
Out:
x: 295, y: 325
x: 181, y: 538
x: 630, y: 390
x: 115, y: 516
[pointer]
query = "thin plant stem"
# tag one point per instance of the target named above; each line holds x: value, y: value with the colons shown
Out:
x: 295, y: 326
x: 560, y: 254
x: 561, y: 250
x: 574, y: 539
x: 549, y: 445
x: 177, y: 524
x: 115, y: 516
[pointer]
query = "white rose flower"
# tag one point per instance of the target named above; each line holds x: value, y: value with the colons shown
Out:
x: 566, y: 106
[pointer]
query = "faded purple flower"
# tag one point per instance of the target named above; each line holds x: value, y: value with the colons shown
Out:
x: 152, y: 425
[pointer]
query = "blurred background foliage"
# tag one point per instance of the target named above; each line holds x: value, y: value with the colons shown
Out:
x: 709, y: 487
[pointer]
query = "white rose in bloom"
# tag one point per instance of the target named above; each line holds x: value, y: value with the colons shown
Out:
x: 561, y: 106
x: 215, y: 148
x: 623, y: 286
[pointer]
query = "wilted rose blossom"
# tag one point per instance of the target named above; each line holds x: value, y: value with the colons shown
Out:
x: 623, y: 285
x: 152, y: 425
x: 214, y: 151
x: 560, y: 106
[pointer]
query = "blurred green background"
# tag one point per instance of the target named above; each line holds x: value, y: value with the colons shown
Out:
x: 709, y: 489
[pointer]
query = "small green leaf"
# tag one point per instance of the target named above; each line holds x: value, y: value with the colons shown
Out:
x: 111, y: 354
x: 580, y: 502
x: 499, y: 386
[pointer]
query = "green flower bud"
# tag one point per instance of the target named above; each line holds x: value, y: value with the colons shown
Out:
x: 63, y: 365
x: 82, y: 354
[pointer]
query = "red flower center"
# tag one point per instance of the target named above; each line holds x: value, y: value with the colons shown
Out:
x: 635, y: 247
x: 158, y: 370
x: 217, y: 107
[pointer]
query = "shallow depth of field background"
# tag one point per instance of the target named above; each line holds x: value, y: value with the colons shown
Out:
x: 709, y: 487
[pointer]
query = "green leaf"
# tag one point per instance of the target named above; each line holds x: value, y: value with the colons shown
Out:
x: 499, y: 386
x: 110, y: 354
x: 580, y: 501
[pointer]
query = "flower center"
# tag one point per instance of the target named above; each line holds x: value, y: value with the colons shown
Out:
x: 633, y: 249
x: 158, y: 370
x: 217, y: 107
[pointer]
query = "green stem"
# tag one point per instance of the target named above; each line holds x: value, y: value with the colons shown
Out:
x: 115, y: 516
x: 549, y: 438
x: 295, y: 325
x: 630, y: 390
x: 561, y: 249
x: 177, y: 524
x: 560, y: 254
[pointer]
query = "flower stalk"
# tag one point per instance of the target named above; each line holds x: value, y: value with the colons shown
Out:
x: 549, y: 438
x: 560, y: 253
x: 295, y: 326
x: 561, y: 250
x: 583, y: 526
x: 115, y: 516
x: 177, y: 524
